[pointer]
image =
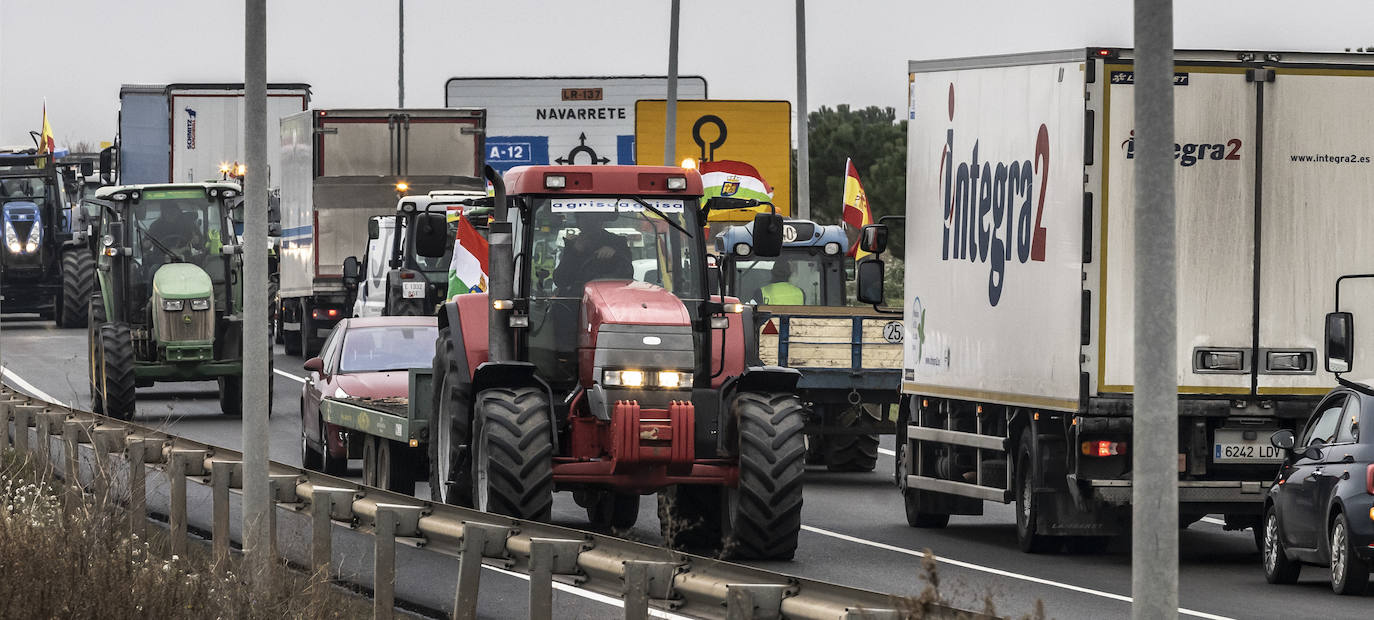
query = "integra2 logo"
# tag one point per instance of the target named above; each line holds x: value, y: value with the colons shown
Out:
x: 988, y: 212
x: 1191, y: 153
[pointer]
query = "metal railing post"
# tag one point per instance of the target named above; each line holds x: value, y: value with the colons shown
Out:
x: 549, y: 556
x: 750, y: 601
x: 176, y: 477
x: 323, y: 502
x: 384, y: 565
x: 105, y: 441
x: 46, y: 420
x: 221, y: 479
x: 478, y: 539
x: 138, y: 487
x: 23, y: 419
x: 71, y: 461
x: 644, y: 580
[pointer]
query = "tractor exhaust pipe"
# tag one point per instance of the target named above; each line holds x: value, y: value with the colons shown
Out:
x: 501, y: 265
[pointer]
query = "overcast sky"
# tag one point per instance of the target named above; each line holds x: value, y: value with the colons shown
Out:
x: 76, y: 53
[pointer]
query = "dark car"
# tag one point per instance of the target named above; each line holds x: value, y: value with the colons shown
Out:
x: 1320, y: 510
x: 362, y: 358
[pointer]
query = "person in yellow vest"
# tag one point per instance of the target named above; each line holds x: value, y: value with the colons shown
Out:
x: 782, y: 292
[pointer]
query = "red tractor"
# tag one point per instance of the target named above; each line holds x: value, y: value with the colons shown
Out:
x: 600, y: 361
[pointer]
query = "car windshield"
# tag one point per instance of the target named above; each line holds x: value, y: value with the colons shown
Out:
x: 393, y: 347
x: 577, y: 240
x: 177, y: 225
x: 791, y: 279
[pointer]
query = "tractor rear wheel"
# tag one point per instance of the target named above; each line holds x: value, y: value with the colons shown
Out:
x: 514, y: 465
x: 96, y: 314
x: 856, y: 452
x: 689, y: 516
x: 78, y: 275
x: 763, y: 514
x: 231, y: 395
x: 117, y: 370
x: 450, y: 434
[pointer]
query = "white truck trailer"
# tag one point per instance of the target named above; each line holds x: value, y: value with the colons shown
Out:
x: 1017, y: 377
x: 183, y: 133
x: 340, y: 168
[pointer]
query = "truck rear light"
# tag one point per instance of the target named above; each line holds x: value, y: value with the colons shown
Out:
x: 324, y: 313
x: 1288, y: 361
x: 1103, y: 448
x: 407, y: 275
x: 1218, y: 360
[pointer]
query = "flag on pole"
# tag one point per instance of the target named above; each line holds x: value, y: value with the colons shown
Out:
x: 856, y: 211
x: 733, y: 179
x: 45, y: 142
x: 467, y: 272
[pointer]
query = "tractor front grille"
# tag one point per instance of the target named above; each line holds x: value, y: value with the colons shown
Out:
x: 188, y: 324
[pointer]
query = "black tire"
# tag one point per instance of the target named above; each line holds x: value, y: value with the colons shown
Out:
x: 1277, y: 567
x: 1349, y: 573
x: 117, y: 370
x: 614, y: 511
x: 916, y: 515
x: 450, y: 433
x: 96, y: 314
x: 370, y: 465
x: 334, y: 466
x: 1027, y: 506
x: 851, y: 453
x: 689, y: 517
x: 291, y: 343
x: 231, y: 395
x: 310, y: 457
x: 395, y: 467
x: 307, y: 348
x: 78, y: 277
x: 763, y: 514
x: 514, y: 460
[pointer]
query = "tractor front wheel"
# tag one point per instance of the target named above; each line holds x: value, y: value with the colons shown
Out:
x: 514, y: 465
x: 96, y: 313
x: 450, y: 434
x: 117, y: 370
x: 856, y: 451
x: 78, y: 275
x: 763, y: 513
x: 231, y: 395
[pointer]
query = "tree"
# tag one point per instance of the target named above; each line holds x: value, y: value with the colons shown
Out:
x: 876, y: 142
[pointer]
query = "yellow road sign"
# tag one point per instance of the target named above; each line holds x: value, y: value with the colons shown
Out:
x: 758, y: 133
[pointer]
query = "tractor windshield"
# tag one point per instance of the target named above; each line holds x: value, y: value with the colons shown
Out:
x: 792, y: 279
x: 178, y: 226
x: 577, y: 240
x: 38, y: 190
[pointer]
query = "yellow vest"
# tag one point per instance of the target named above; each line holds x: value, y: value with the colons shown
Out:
x: 783, y: 294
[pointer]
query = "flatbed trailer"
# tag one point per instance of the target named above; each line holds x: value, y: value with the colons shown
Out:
x: 389, y: 434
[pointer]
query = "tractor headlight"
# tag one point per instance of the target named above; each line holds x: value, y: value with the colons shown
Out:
x: 200, y: 304
x: 173, y: 305
x: 674, y: 379
x: 35, y: 235
x: 832, y: 248
x: 11, y: 239
x: 640, y: 378
x: 623, y: 378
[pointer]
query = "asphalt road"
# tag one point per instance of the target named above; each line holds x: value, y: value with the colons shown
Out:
x: 854, y: 529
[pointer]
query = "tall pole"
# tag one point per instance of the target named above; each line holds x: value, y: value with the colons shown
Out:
x: 670, y: 110
x: 256, y: 499
x: 1154, y: 501
x: 401, y: 54
x: 803, y: 197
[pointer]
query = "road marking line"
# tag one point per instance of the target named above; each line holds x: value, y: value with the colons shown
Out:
x: 288, y: 375
x: 996, y: 571
x: 886, y: 451
x: 1213, y: 520
x: 20, y: 383
x: 588, y: 594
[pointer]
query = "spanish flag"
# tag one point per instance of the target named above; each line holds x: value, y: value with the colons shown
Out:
x: 856, y: 211
x: 45, y: 142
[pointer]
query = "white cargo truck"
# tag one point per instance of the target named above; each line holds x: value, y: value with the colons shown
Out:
x: 340, y: 168
x: 183, y: 133
x: 1017, y: 377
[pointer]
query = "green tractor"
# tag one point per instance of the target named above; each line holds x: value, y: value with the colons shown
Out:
x: 169, y: 300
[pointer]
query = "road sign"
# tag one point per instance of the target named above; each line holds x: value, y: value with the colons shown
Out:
x: 555, y: 120
x: 755, y: 132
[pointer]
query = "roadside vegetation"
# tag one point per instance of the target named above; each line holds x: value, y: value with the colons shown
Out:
x: 77, y: 559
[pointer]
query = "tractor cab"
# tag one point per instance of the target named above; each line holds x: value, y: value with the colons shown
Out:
x: 811, y: 270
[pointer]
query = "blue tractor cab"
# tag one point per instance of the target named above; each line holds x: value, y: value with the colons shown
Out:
x: 812, y: 260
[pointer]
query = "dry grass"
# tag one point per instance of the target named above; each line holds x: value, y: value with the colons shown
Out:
x: 82, y: 562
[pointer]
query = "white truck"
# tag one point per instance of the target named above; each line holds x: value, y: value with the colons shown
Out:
x: 183, y: 133
x: 340, y: 168
x: 1017, y: 376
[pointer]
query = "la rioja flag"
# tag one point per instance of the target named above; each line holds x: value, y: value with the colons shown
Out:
x: 856, y: 211
x: 467, y: 273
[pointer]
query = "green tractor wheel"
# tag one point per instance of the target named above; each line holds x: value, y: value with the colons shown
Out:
x: 117, y: 370
x: 78, y: 279
x: 231, y: 395
x: 96, y: 313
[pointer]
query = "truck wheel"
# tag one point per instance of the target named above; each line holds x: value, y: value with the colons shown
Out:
x: 1027, y: 507
x: 291, y: 343
x: 117, y: 370
x: 689, y: 517
x: 96, y: 314
x: 78, y: 274
x: 613, y: 511
x: 231, y: 395
x: 395, y: 467
x: 514, y: 464
x: 307, y: 350
x: 763, y: 514
x: 911, y: 498
x: 851, y: 452
x: 450, y: 435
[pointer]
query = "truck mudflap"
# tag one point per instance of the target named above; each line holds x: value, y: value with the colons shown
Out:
x: 1118, y: 492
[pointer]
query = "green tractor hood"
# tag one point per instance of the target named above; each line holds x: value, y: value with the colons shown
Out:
x: 181, y: 281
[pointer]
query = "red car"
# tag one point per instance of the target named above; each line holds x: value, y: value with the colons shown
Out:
x: 363, y: 358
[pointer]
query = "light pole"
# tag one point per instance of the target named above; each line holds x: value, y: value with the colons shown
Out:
x: 670, y: 108
x: 401, y: 54
x: 803, y: 197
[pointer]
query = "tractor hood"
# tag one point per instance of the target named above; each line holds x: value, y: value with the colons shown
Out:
x: 631, y: 303
x: 181, y: 281
x: 634, y: 326
x: 23, y: 229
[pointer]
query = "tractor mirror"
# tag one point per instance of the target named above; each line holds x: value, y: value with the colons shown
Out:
x: 870, y: 286
x: 87, y: 168
x: 374, y: 229
x: 767, y: 234
x: 431, y: 234
x: 107, y: 165
x: 873, y: 238
x: 350, y: 273
x: 1340, y: 328
x: 714, y: 281
x: 274, y: 229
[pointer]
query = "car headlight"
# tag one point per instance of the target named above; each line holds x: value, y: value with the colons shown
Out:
x: 200, y: 304
x: 173, y: 305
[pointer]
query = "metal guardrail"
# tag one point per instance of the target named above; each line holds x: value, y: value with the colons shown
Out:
x: 641, y: 575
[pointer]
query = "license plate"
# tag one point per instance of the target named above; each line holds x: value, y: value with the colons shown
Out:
x: 1231, y: 446
x: 413, y: 290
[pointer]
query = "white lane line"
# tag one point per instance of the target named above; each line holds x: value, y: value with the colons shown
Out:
x: 996, y: 571
x: 25, y: 386
x: 588, y: 594
x: 1213, y: 520
x: 288, y: 375
x: 886, y: 451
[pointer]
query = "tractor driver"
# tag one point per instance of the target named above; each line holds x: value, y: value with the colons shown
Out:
x: 593, y: 254
x: 782, y: 292
x: 175, y: 229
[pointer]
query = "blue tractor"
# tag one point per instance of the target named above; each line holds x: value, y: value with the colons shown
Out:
x: 46, y: 265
